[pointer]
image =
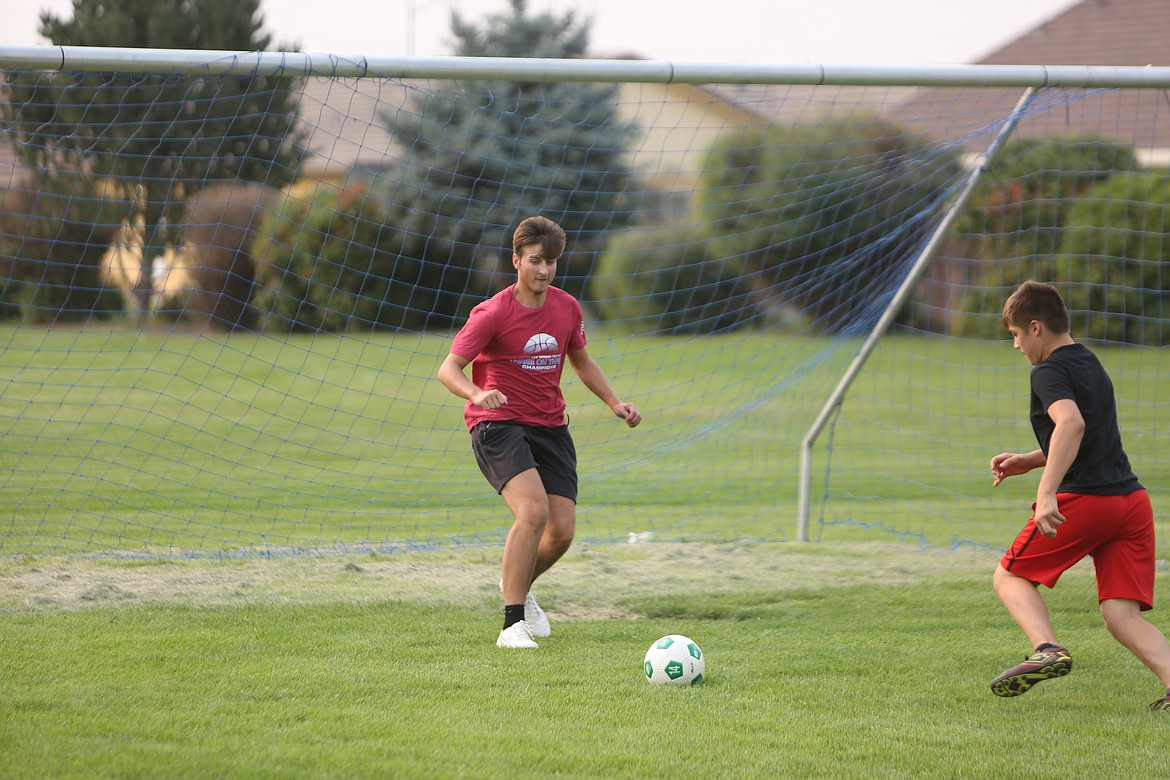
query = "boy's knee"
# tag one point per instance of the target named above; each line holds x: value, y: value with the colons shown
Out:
x: 533, y: 514
x: 1117, y: 613
x: 1002, y: 576
x: 561, y: 538
x: 535, y: 517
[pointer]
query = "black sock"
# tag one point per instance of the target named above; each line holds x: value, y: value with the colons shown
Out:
x: 513, y: 613
x: 1044, y: 646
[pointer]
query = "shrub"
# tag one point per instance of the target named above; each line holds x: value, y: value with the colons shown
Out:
x: 823, y: 215
x: 52, y: 240
x: 217, y: 271
x: 664, y: 280
x: 328, y: 263
x: 1114, y: 261
x: 1015, y: 223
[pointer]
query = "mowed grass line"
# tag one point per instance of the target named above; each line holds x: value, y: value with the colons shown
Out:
x: 852, y: 661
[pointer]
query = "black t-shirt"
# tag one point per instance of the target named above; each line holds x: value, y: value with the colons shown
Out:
x: 1101, y: 466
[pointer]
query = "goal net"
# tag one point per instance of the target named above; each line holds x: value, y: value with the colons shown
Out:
x: 224, y: 297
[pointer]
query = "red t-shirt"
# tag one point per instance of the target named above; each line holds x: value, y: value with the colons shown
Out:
x: 521, y: 352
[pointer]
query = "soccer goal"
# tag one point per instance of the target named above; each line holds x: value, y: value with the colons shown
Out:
x: 227, y: 281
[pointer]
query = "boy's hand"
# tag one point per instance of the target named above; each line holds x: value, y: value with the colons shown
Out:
x: 629, y: 413
x: 489, y: 399
x: 1008, y: 464
x: 1047, y: 515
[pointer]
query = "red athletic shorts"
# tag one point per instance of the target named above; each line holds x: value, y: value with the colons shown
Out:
x: 1116, y: 531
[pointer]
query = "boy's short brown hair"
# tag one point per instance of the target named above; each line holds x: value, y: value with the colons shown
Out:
x: 1038, y: 301
x: 543, y: 231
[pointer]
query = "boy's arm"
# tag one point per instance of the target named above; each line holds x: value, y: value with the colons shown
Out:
x: 454, y: 379
x: 1062, y: 451
x: 593, y: 377
x: 1012, y: 464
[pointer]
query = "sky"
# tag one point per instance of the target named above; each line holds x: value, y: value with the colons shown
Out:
x: 869, y: 32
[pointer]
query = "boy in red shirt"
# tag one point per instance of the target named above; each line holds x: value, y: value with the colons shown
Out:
x: 1089, y: 502
x: 516, y: 343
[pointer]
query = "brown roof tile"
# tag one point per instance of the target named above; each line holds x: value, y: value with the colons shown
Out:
x: 1092, y: 32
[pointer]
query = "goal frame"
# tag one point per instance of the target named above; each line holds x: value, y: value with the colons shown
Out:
x: 1031, y: 78
x: 305, y: 64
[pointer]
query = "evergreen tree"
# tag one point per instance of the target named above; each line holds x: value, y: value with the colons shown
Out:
x: 483, y: 155
x: 161, y: 137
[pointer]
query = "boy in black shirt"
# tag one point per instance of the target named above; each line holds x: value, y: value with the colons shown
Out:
x: 1089, y: 502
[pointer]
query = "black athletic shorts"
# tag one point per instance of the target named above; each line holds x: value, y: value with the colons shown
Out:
x: 505, y: 449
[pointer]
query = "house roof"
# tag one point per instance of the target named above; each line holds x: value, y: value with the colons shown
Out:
x: 1094, y: 32
x: 1091, y: 32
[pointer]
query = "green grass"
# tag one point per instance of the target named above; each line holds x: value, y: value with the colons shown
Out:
x: 847, y: 661
x: 868, y: 655
x: 167, y: 443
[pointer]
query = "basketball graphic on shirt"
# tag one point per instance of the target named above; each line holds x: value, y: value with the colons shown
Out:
x: 541, y: 344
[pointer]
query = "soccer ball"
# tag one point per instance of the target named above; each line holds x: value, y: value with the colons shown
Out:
x: 674, y: 660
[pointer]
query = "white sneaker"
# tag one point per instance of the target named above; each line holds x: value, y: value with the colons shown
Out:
x: 535, y: 618
x: 533, y: 615
x: 518, y: 636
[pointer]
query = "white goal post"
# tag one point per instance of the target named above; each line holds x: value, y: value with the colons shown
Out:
x: 304, y: 64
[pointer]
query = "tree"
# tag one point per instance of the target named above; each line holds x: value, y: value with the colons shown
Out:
x: 161, y: 137
x: 483, y: 155
x: 821, y: 215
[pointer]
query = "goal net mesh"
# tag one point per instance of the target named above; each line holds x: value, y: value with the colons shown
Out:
x: 224, y: 300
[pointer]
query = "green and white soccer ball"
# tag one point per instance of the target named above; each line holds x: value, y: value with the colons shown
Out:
x: 674, y: 660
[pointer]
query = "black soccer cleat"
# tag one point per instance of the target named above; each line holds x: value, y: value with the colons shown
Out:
x: 1052, y: 661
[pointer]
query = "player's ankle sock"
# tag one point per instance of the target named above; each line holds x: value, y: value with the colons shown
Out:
x: 1044, y: 646
x: 513, y: 613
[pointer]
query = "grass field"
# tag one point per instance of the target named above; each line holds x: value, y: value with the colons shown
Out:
x: 172, y: 603
x: 843, y: 661
x: 168, y: 444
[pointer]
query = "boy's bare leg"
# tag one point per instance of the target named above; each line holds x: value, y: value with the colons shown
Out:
x: 558, y: 533
x: 1123, y: 618
x: 1026, y: 606
x: 525, y: 496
